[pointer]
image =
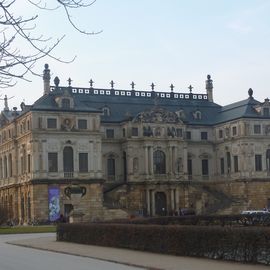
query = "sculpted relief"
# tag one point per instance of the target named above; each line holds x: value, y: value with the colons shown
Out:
x: 157, y: 115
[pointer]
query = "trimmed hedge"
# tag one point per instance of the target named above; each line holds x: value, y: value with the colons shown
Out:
x: 245, y: 244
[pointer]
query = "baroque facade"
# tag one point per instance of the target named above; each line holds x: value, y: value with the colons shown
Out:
x: 132, y: 152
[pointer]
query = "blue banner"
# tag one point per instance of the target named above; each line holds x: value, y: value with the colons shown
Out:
x: 54, y: 204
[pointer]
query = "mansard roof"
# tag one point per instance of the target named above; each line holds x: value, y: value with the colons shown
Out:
x: 124, y: 105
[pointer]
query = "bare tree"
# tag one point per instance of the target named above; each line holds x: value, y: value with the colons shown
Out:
x: 14, y: 62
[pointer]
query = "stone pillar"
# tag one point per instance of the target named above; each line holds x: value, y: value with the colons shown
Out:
x: 91, y: 158
x: 148, y: 195
x: 174, y: 159
x: 176, y: 199
x: 146, y: 169
x: 172, y: 200
x: 185, y: 163
x: 153, y: 203
x: 151, y: 160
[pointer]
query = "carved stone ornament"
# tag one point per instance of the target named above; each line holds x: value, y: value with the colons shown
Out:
x: 157, y: 115
x: 67, y: 124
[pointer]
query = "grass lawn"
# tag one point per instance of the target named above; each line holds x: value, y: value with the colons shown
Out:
x: 27, y: 229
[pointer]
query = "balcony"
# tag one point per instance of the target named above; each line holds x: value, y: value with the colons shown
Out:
x: 69, y: 175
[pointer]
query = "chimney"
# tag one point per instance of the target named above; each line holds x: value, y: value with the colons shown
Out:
x: 46, y: 80
x: 209, y: 88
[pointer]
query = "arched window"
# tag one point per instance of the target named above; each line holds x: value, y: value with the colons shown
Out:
x: 159, y: 162
x: 111, y: 167
x: 68, y: 159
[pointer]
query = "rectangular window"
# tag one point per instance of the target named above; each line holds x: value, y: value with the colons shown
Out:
x: 258, y: 163
x: 110, y: 133
x: 51, y: 123
x: 204, y: 135
x: 124, y: 132
x: 220, y: 133
x: 257, y: 129
x: 52, y: 162
x: 135, y: 131
x: 188, y: 135
x: 189, y: 166
x: 234, y: 131
x: 222, y: 170
x: 235, y: 163
x: 82, y: 124
x: 204, y: 166
x: 83, y: 162
x: 179, y: 132
x: 228, y: 156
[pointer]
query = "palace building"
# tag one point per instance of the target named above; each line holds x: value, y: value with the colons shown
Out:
x: 108, y: 153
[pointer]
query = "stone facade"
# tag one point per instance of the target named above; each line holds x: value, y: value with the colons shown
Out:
x: 134, y: 153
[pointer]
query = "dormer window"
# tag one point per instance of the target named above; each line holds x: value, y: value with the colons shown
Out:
x: 65, y: 103
x: 180, y: 114
x: 265, y: 111
x: 197, y: 115
x: 106, y: 111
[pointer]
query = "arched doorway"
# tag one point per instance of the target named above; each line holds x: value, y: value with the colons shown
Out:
x: 160, y: 204
x: 68, y: 160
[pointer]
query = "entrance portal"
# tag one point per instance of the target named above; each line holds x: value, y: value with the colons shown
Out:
x: 161, y: 204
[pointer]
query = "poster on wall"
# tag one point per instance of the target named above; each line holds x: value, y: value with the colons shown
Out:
x: 54, y: 203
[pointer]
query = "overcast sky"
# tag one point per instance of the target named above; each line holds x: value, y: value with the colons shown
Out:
x: 172, y: 41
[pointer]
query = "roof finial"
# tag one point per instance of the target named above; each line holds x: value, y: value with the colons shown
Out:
x: 91, y: 83
x: 112, y: 84
x: 56, y: 81
x: 152, y: 86
x: 69, y: 81
x: 172, y: 86
x: 132, y: 85
x: 250, y: 93
x: 209, y: 88
x: 190, y: 88
x: 46, y: 79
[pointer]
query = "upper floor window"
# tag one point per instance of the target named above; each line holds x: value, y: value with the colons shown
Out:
x: 106, y: 111
x: 205, y: 170
x: 258, y: 162
x: 110, y: 133
x: 52, y: 162
x: 204, y: 135
x: 257, y: 129
x: 159, y: 162
x: 135, y: 131
x: 83, y: 162
x: 179, y: 132
x: 51, y: 123
x: 222, y: 166
x: 234, y: 130
x: 111, y: 166
x: 235, y: 162
x: 188, y: 135
x: 220, y: 134
x: 82, y: 124
x: 65, y: 103
x: 124, y: 132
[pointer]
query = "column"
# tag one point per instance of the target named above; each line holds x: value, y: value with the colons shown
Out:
x: 148, y: 194
x: 185, y: 161
x: 172, y: 200
x: 151, y: 160
x: 146, y: 169
x: 173, y: 159
x: 176, y: 199
x: 91, y: 157
x: 153, y: 203
x: 170, y: 160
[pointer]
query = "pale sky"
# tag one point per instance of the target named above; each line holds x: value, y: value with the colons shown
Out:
x: 172, y: 41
